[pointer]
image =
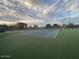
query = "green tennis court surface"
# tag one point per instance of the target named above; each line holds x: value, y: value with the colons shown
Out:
x: 20, y: 46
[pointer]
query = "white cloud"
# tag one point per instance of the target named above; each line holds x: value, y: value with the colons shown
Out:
x: 30, y: 20
x: 72, y: 5
x: 19, y: 10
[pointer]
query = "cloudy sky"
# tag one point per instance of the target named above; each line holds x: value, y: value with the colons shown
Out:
x: 39, y: 11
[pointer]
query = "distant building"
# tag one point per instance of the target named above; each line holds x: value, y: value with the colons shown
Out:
x: 35, y: 26
x: 21, y: 26
x: 56, y: 26
x: 48, y: 26
x: 70, y: 25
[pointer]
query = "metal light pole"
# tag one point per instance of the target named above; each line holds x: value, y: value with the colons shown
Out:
x: 69, y: 16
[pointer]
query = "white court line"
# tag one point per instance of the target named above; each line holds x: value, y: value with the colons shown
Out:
x: 53, y: 34
x: 56, y: 34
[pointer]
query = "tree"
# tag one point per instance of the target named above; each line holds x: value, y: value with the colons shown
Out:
x: 3, y: 28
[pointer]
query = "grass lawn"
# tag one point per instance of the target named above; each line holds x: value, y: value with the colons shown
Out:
x: 65, y: 46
